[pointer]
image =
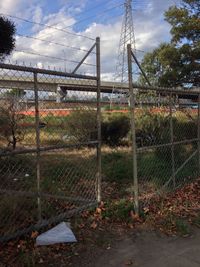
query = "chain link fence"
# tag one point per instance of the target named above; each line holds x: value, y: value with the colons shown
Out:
x: 49, y: 146
x: 167, y: 140
x: 165, y: 137
x: 51, y: 135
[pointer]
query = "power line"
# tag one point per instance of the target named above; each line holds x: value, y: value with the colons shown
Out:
x: 87, y: 18
x: 55, y: 43
x: 51, y: 57
x: 47, y: 26
x: 88, y: 10
x: 105, y: 11
x: 97, y: 6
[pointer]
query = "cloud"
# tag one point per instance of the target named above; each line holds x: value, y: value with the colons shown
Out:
x: 37, y: 17
x: 9, y: 5
x: 17, y: 7
x: 150, y: 31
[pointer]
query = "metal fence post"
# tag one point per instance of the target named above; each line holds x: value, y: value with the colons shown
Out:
x: 37, y: 145
x: 172, y: 142
x: 98, y: 72
x: 132, y: 115
x: 198, y: 121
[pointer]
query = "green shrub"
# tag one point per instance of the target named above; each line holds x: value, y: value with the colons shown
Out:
x: 115, y: 128
x: 196, y: 220
x: 119, y: 211
x: 154, y: 124
x: 80, y: 125
x: 117, y: 166
x: 182, y: 227
x: 184, y: 130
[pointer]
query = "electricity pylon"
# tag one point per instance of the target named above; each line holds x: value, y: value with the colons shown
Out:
x: 127, y: 37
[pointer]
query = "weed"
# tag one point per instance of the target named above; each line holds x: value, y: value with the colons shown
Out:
x: 182, y: 227
x: 119, y: 210
x: 196, y: 221
x: 117, y: 166
x: 27, y: 259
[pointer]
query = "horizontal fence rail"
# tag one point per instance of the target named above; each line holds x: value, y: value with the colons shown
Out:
x: 166, y: 143
x: 50, y: 149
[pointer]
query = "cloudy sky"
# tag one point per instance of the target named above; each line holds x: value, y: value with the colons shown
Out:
x: 61, y: 49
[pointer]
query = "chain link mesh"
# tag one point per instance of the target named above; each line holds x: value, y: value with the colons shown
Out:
x: 167, y: 139
x: 48, y: 147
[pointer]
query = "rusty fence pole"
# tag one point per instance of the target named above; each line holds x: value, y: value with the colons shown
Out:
x: 172, y: 141
x: 98, y: 73
x: 37, y: 129
x: 198, y: 123
x: 133, y: 132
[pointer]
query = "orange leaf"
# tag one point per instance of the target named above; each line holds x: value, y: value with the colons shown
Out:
x: 98, y: 210
x: 93, y: 225
x: 34, y: 234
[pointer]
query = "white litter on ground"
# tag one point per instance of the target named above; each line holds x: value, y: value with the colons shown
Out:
x: 58, y: 234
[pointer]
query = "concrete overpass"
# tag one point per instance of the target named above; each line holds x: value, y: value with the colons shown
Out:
x: 53, y: 81
x: 52, y: 84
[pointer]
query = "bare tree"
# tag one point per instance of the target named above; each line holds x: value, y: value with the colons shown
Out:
x: 10, y: 120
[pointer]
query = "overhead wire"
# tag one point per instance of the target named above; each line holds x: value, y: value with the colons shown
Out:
x: 85, y: 19
x: 94, y: 16
x: 55, y: 43
x: 51, y: 57
x: 47, y: 26
x: 88, y: 10
x: 62, y: 30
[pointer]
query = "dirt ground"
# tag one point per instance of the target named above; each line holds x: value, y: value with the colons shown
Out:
x: 144, y: 249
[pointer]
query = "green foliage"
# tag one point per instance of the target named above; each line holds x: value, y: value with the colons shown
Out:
x: 160, y: 65
x: 119, y: 210
x: 184, y: 21
x: 182, y: 227
x: 154, y: 168
x: 17, y: 93
x: 177, y: 63
x: 117, y: 166
x: 154, y: 129
x: 196, y: 220
x: 115, y: 128
x: 154, y: 125
x: 7, y: 41
x: 157, y: 125
x: 80, y: 125
x: 184, y: 130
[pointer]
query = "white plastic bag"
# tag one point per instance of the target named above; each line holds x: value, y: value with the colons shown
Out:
x: 58, y: 234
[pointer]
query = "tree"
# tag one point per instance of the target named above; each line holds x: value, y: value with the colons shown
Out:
x: 10, y: 119
x: 177, y: 63
x: 16, y: 93
x: 7, y: 40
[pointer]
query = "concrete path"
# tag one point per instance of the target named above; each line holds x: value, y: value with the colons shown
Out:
x: 149, y: 249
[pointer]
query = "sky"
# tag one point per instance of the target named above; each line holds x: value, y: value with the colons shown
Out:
x: 78, y: 20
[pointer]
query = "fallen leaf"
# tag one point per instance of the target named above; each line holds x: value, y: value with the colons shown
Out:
x: 34, y: 234
x: 98, y: 210
x: 93, y: 225
x: 128, y: 263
